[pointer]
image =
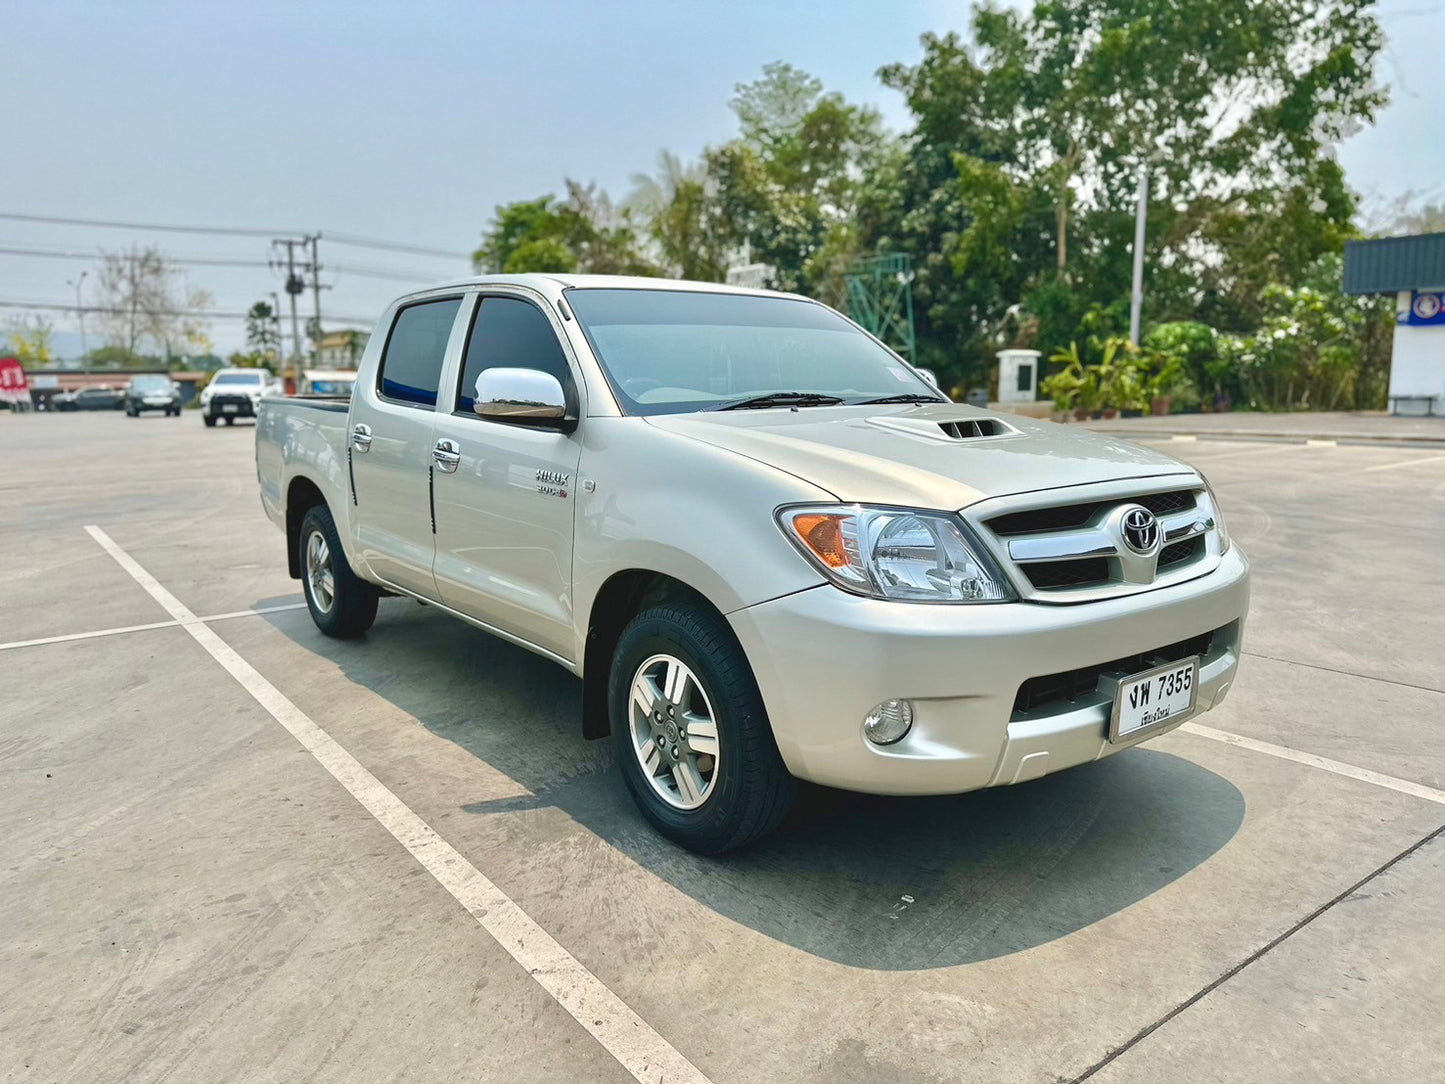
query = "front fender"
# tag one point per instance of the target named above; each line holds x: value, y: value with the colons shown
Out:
x: 661, y: 502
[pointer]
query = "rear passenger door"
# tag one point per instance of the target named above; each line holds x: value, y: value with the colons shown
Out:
x: 392, y: 422
x: 504, y: 515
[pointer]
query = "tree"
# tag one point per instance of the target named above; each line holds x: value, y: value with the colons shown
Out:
x: 679, y: 211
x: 29, y: 340
x: 1025, y: 159
x: 263, y: 334
x: 583, y: 232
x: 797, y: 182
x: 141, y: 300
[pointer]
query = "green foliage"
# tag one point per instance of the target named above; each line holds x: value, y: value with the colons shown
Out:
x: 1016, y: 199
x: 262, y: 332
x: 29, y: 340
x: 1316, y: 348
x: 580, y: 233
x: 1014, y: 195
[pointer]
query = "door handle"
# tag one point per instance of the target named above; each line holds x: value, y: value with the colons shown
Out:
x: 447, y: 454
x: 361, y: 437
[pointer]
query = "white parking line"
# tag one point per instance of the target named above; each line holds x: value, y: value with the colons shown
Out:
x: 68, y: 637
x: 1364, y: 775
x: 1404, y: 463
x: 621, y: 1032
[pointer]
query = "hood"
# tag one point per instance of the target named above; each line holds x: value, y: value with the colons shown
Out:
x: 915, y: 455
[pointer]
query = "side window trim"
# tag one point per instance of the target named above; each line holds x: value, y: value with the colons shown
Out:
x: 461, y: 299
x: 573, y: 388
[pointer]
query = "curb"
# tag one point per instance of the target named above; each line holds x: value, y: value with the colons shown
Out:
x: 1275, y: 437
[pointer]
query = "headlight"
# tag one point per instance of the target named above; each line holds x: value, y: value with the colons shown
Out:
x: 894, y: 553
x: 1218, y: 517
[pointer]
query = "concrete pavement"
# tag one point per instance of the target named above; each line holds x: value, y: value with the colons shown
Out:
x: 186, y: 894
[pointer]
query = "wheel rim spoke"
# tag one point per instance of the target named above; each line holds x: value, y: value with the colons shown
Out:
x: 701, y: 734
x: 689, y: 783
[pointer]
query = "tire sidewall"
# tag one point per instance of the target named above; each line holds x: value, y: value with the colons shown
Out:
x: 318, y: 520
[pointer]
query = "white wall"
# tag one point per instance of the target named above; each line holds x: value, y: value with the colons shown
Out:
x: 1417, y: 362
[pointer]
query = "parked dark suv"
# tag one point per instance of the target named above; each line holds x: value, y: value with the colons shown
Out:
x: 92, y: 398
x: 152, y: 392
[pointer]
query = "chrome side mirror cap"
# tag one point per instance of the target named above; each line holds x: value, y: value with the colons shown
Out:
x: 524, y: 396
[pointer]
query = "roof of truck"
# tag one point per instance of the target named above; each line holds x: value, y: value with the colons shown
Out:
x: 551, y: 282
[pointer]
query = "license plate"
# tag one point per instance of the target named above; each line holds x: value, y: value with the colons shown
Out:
x: 1153, y: 698
x: 229, y: 408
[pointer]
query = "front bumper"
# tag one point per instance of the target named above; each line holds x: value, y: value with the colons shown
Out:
x: 231, y: 406
x: 824, y: 658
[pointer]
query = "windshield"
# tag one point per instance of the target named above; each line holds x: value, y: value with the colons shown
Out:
x: 237, y: 378
x: 670, y: 351
x: 151, y: 383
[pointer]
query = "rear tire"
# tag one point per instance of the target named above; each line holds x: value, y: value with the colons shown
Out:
x: 341, y: 603
x: 688, y: 668
x: 210, y: 421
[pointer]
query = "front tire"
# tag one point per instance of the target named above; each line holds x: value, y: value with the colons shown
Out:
x: 690, y: 731
x: 341, y: 603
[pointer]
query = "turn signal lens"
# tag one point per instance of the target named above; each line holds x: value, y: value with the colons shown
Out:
x: 822, y: 535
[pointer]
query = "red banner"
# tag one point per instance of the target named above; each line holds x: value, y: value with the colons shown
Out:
x: 13, y: 388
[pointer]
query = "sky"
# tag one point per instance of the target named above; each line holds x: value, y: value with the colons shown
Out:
x: 411, y: 123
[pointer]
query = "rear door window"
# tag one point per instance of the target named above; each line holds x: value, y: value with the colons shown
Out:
x: 411, y: 367
x: 508, y: 333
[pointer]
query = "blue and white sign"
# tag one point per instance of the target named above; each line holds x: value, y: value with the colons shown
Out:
x: 1426, y: 307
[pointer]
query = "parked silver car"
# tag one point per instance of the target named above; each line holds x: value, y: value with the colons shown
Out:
x: 770, y: 548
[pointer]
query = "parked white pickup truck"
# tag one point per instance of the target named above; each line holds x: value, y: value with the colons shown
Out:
x: 768, y: 547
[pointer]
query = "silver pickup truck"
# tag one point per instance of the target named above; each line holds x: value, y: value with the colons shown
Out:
x: 769, y: 548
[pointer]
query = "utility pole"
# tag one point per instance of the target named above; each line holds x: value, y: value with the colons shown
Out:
x: 294, y: 286
x: 1136, y: 299
x: 80, y: 309
x: 316, y: 295
x: 280, y: 339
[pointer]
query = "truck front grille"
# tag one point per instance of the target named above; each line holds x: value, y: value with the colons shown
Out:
x: 1064, y: 516
x: 1076, y: 552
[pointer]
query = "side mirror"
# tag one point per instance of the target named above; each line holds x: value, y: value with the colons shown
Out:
x: 522, y: 396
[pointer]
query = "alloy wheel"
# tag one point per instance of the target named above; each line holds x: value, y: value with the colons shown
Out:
x: 674, y: 731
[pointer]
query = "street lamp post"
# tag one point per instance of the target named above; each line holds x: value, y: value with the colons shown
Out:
x: 80, y: 309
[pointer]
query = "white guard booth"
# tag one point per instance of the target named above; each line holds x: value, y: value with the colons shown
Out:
x: 1018, y: 376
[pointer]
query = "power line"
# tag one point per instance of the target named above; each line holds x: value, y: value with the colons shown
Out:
x: 222, y: 261
x: 230, y: 231
x: 208, y: 314
x: 240, y: 231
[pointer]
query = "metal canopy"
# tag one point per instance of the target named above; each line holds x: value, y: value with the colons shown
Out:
x: 1391, y: 264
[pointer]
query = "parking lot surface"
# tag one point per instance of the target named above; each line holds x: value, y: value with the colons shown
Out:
x: 196, y: 885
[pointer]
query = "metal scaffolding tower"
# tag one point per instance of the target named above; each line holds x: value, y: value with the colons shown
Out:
x: 880, y: 297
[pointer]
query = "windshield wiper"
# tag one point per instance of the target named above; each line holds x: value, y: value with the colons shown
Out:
x: 783, y: 398
x: 906, y: 397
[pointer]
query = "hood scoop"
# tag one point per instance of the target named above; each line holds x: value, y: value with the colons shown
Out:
x: 949, y: 431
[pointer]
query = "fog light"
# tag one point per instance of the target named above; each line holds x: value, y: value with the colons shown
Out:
x: 888, y: 722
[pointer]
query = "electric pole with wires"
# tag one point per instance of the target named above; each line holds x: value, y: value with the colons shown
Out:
x: 294, y: 285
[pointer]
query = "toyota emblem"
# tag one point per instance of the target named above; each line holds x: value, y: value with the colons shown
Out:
x: 1141, y: 530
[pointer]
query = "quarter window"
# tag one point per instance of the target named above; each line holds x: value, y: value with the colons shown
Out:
x: 411, y: 368
x: 508, y: 333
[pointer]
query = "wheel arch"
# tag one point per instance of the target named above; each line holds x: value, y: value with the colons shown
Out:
x: 302, y: 495
x: 621, y: 597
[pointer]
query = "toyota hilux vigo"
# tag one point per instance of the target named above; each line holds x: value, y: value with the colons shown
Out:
x: 767, y: 546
